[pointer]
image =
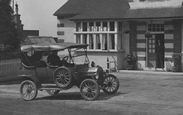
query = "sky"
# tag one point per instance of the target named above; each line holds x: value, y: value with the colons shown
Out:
x: 38, y: 15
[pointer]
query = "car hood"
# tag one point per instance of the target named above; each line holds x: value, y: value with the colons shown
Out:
x: 89, y: 70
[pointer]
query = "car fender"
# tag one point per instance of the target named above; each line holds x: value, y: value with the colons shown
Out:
x: 32, y: 78
x: 108, y: 74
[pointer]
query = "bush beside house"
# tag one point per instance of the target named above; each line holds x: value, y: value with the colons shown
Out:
x: 176, y: 58
x: 132, y: 61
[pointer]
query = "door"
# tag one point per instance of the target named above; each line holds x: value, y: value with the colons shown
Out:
x: 155, y: 51
x: 151, y: 56
x: 159, y: 51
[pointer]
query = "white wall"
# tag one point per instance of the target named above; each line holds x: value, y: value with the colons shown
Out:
x: 68, y: 30
x: 100, y: 58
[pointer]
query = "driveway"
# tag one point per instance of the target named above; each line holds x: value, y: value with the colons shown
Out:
x: 139, y: 94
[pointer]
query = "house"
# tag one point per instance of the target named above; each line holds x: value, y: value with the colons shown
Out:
x: 115, y: 28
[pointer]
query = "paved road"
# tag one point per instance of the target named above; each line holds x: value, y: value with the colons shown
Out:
x: 139, y: 94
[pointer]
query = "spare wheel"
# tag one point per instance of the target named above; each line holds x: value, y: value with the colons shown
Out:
x: 62, y: 77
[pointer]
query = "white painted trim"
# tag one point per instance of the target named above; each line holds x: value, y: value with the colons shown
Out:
x: 141, y: 56
x: 168, y: 56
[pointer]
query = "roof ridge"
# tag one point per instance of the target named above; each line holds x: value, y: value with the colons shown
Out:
x: 156, y: 7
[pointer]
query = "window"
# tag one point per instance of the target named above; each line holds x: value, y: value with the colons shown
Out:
x: 104, y: 41
x: 91, y: 42
x: 156, y: 27
x: 78, y: 38
x: 112, y: 26
x: 98, y: 26
x: 151, y: 44
x: 84, y: 26
x: 60, y: 25
x: 60, y: 33
x: 120, y: 46
x: 112, y: 41
x: 120, y: 26
x: 91, y: 26
x: 104, y: 26
x: 84, y: 38
x: 99, y: 35
x: 98, y: 42
x: 78, y: 26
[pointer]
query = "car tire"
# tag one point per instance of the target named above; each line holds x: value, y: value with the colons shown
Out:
x: 28, y: 90
x: 89, y: 89
x: 62, y: 77
x: 110, y: 84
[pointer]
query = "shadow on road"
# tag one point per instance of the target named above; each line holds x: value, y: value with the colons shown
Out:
x: 63, y: 96
x: 77, y: 96
x: 10, y: 82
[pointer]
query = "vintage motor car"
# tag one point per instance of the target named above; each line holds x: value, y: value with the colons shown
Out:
x: 73, y: 69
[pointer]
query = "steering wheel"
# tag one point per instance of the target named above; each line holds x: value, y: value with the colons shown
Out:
x: 65, y: 61
x: 65, y: 58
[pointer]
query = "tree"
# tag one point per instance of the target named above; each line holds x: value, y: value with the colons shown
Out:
x: 8, y: 32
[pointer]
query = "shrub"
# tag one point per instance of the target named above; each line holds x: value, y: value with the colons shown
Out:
x: 176, y: 57
x: 131, y: 59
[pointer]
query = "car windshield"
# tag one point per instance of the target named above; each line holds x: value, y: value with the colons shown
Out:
x: 75, y: 55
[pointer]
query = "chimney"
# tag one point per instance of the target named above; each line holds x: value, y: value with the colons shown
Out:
x: 16, y: 8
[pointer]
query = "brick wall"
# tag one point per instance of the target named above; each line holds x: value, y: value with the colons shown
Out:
x: 133, y: 36
x: 177, y: 35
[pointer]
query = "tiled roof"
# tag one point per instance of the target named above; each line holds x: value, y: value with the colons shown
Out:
x: 114, y: 9
x: 71, y: 7
x: 168, y: 12
x: 94, y: 8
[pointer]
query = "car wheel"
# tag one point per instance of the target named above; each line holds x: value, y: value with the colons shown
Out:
x: 28, y: 90
x: 110, y: 84
x: 52, y: 92
x: 63, y: 78
x: 89, y: 89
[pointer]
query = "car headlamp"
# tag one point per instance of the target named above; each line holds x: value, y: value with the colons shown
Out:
x: 97, y: 76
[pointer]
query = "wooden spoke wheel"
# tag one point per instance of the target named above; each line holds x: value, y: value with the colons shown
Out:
x: 52, y: 92
x: 28, y: 90
x: 89, y: 89
x: 62, y: 77
x: 111, y: 84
